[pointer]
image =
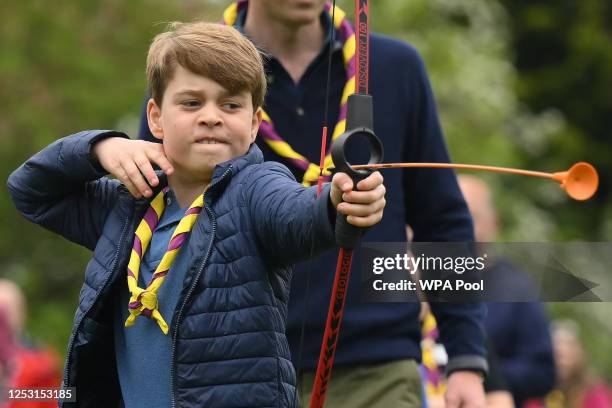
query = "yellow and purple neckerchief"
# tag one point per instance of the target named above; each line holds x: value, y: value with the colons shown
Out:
x: 346, y: 36
x: 143, y: 302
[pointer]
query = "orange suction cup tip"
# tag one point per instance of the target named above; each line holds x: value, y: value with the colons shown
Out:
x: 580, y: 182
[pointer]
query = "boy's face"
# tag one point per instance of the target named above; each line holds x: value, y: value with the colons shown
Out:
x: 201, y: 124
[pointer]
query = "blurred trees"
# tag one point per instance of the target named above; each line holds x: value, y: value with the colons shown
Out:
x: 64, y: 66
x: 562, y: 53
x: 518, y: 83
x: 498, y: 111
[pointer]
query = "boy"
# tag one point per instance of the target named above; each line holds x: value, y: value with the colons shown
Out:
x: 201, y: 326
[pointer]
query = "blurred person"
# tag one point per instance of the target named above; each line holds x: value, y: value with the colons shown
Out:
x: 7, y: 353
x: 578, y: 386
x: 376, y: 361
x: 519, y: 331
x: 31, y: 365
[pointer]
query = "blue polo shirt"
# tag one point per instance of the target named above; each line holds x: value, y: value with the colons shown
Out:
x: 143, y: 351
x: 406, y: 120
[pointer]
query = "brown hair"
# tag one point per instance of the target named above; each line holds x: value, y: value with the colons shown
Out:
x: 211, y: 50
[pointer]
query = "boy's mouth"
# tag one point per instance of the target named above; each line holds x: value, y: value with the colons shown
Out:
x: 209, y: 140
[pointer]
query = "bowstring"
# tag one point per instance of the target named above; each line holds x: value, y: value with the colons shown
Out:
x: 331, y: 35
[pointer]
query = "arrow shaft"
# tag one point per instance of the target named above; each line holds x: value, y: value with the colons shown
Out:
x: 455, y: 166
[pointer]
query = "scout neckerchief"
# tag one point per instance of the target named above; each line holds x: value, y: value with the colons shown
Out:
x: 144, y: 301
x: 267, y: 131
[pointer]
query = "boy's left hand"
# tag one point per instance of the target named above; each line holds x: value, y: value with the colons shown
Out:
x: 363, y: 207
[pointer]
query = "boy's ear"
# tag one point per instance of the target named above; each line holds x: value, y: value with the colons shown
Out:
x: 154, y: 119
x: 257, y: 117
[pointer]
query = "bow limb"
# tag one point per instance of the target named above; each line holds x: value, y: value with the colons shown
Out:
x: 359, y: 119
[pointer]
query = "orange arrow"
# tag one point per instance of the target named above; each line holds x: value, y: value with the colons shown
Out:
x: 580, y: 182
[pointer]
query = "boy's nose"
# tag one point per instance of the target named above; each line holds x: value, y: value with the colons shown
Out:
x: 209, y: 117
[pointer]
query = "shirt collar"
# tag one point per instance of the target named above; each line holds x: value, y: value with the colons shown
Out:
x: 173, y: 212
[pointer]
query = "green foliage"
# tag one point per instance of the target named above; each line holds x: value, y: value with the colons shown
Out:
x: 466, y: 45
x: 562, y: 53
x: 64, y: 68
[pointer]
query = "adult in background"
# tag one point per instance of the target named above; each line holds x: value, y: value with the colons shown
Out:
x: 29, y: 365
x: 519, y: 331
x: 376, y: 363
x: 7, y: 351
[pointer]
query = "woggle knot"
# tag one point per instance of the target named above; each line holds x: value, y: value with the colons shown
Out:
x: 148, y: 299
x: 145, y: 304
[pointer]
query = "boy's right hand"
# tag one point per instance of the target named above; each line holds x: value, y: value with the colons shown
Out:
x: 130, y: 162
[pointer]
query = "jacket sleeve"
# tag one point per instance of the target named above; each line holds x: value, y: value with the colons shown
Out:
x: 437, y: 212
x: 62, y: 188
x: 289, y: 220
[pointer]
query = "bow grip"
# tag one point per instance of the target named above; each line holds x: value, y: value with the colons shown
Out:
x: 359, y: 124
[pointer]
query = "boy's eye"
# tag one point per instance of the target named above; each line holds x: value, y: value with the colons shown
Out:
x: 190, y: 103
x: 231, y: 105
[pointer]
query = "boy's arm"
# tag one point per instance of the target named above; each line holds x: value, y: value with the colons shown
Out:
x: 61, y: 189
x: 288, y: 218
x: 292, y: 222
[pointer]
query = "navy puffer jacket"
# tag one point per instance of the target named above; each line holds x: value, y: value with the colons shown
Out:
x: 228, y: 330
